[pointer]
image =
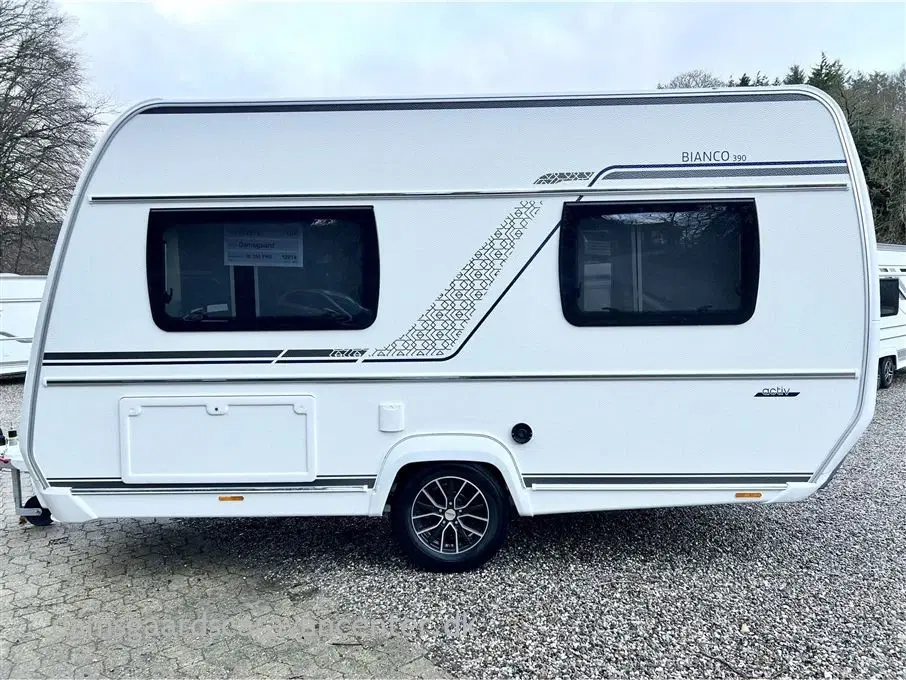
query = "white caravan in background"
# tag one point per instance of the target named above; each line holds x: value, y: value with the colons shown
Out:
x: 892, y: 271
x: 450, y: 310
x: 20, y: 299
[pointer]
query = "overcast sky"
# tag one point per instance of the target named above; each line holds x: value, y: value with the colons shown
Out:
x: 211, y: 49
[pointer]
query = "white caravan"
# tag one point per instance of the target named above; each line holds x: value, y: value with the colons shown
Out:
x: 451, y: 310
x: 20, y: 299
x: 892, y: 349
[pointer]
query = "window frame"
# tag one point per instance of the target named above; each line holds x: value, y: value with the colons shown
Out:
x: 568, y: 275
x: 243, y: 277
x: 896, y: 282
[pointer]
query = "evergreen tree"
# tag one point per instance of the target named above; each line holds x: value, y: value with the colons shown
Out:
x: 829, y: 76
x: 795, y: 76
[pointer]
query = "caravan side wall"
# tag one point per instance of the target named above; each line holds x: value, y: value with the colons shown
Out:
x: 892, y: 268
x: 20, y: 299
x: 126, y: 418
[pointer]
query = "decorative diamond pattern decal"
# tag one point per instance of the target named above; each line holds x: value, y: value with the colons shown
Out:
x: 438, y: 329
x: 557, y: 177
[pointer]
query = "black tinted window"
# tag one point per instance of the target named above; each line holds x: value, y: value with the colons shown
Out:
x: 659, y: 263
x: 273, y: 269
x: 890, y: 297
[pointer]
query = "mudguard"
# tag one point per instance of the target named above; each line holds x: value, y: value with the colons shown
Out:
x: 473, y: 448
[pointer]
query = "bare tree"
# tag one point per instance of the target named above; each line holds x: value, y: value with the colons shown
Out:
x: 47, y: 125
x: 697, y: 78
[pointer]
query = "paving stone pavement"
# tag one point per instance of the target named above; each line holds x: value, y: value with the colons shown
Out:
x: 161, y: 598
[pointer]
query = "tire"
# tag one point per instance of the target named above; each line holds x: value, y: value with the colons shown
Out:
x: 42, y: 520
x: 886, y: 369
x: 436, y: 492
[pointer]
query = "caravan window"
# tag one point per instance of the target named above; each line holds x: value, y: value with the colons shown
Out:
x: 659, y: 263
x: 266, y: 269
x: 890, y: 297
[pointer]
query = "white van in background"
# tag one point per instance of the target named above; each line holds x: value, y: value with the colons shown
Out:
x: 892, y: 346
x: 20, y: 300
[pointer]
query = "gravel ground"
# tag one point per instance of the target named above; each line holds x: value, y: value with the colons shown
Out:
x: 10, y: 403
x: 814, y: 589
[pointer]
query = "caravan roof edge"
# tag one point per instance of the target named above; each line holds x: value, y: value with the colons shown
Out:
x: 649, y: 97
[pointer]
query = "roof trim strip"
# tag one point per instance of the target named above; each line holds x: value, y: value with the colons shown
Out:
x: 470, y: 103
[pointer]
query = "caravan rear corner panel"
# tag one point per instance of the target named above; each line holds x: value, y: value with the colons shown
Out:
x: 442, y: 307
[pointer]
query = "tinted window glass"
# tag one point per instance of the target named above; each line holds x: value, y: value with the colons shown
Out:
x: 890, y: 297
x: 275, y: 269
x: 659, y: 263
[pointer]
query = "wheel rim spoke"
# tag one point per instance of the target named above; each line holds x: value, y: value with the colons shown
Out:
x: 471, y: 516
x: 431, y: 528
x: 442, y: 534
x: 461, y: 487
x: 430, y: 498
x: 469, y: 502
x: 446, y: 500
x: 441, y: 527
x: 471, y: 530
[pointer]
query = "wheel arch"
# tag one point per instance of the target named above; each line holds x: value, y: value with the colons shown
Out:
x: 417, y: 450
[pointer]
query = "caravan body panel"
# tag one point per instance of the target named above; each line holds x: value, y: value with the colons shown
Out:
x: 20, y: 299
x: 470, y: 203
x: 892, y: 269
